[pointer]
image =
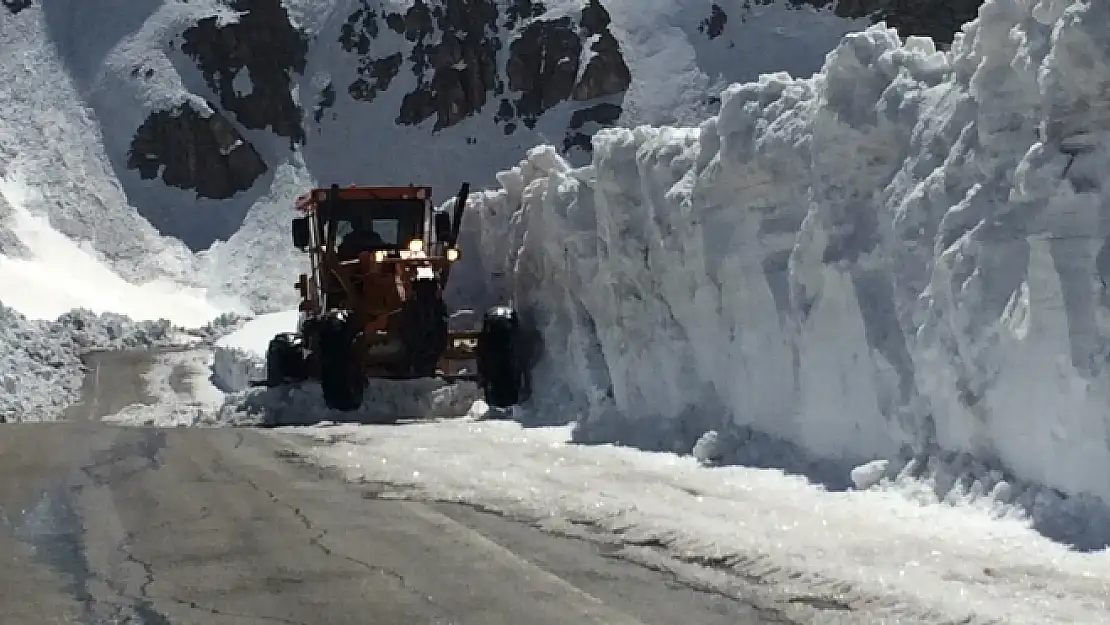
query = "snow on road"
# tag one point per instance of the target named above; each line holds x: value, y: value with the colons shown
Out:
x: 890, y: 552
x: 877, y: 552
x: 180, y: 383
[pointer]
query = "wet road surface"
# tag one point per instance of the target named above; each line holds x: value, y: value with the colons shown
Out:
x: 103, y: 525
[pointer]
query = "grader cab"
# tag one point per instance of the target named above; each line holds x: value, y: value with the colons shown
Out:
x: 372, y: 302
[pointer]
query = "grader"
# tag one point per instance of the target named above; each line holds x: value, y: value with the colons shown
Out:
x: 372, y: 304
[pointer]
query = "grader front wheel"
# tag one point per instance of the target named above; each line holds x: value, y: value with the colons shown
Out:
x: 341, y: 377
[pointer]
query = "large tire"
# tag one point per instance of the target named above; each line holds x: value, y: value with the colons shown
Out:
x: 423, y: 327
x: 284, y: 360
x: 500, y: 366
x: 341, y: 377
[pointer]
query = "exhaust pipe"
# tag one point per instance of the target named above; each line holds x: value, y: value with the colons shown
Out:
x: 460, y: 206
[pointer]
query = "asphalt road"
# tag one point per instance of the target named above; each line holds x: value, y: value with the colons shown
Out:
x: 104, y: 525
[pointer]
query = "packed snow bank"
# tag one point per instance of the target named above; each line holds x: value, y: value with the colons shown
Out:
x: 904, y: 253
x: 254, y: 335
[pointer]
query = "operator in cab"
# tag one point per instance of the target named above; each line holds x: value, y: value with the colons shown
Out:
x: 362, y: 238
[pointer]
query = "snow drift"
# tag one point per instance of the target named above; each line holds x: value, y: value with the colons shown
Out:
x: 904, y: 254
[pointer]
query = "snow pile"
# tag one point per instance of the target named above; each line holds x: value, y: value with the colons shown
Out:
x: 62, y: 299
x: 899, y: 257
x: 223, y: 325
x: 41, y: 372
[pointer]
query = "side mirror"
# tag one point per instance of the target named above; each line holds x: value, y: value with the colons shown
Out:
x: 442, y: 223
x: 300, y: 233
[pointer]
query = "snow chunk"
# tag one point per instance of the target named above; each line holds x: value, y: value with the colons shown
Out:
x: 867, y: 475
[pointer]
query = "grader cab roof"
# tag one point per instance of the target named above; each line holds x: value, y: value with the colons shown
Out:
x: 311, y: 201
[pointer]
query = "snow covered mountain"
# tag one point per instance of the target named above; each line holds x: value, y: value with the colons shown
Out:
x: 902, y: 258
x: 204, y: 118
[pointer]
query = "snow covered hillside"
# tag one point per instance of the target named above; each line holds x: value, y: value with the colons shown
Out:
x: 902, y: 258
x: 201, y: 120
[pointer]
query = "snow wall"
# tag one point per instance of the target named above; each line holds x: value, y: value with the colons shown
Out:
x: 902, y: 256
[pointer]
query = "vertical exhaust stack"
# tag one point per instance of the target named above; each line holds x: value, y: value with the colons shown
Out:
x: 460, y: 206
x: 456, y: 224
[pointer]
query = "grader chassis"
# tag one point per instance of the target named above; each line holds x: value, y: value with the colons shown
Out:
x: 372, y: 303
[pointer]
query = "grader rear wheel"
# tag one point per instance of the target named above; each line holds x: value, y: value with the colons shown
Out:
x: 501, y: 367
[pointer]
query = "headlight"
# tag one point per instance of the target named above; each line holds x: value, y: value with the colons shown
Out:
x: 416, y: 245
x: 452, y: 254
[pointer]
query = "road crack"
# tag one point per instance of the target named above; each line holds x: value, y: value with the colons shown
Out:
x: 193, y: 605
x: 317, y: 537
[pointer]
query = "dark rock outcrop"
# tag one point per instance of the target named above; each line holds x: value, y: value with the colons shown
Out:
x: 543, y: 66
x: 454, y: 57
x: 263, y: 44
x: 325, y: 102
x: 714, y: 25
x: 938, y: 19
x: 585, y: 122
x: 15, y: 6
x: 545, y: 59
x: 606, y: 73
x: 456, y: 75
x: 188, y: 150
